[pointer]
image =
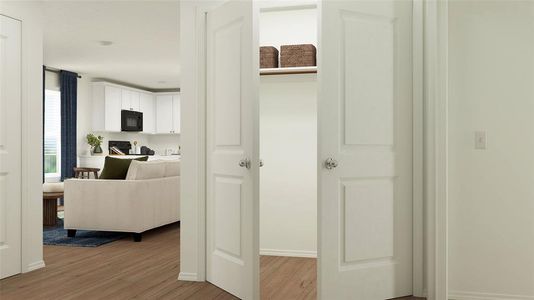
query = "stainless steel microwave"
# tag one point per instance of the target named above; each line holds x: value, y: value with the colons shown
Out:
x: 131, y: 120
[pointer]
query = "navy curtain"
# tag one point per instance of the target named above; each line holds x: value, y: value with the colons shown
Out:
x: 69, y: 90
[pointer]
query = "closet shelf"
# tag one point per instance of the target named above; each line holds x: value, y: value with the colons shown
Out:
x: 286, y: 71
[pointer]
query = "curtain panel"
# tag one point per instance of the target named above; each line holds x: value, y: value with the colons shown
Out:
x: 69, y: 90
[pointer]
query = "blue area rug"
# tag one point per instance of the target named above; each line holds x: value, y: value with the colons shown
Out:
x: 57, y: 236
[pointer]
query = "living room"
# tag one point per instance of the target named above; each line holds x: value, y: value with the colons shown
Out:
x: 100, y: 112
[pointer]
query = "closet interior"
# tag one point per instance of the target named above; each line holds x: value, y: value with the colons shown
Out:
x: 288, y: 142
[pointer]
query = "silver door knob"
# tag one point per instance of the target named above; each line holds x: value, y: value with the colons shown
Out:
x: 330, y: 163
x: 244, y: 163
x: 261, y: 163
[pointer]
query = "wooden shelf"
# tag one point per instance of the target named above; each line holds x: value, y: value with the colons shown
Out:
x: 287, y: 71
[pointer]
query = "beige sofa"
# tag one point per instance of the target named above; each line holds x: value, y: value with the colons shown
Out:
x: 148, y: 198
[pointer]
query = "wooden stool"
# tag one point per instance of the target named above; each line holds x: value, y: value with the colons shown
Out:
x: 50, y: 208
x: 86, y: 172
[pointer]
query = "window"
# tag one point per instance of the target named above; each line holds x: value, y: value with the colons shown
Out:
x: 52, y: 135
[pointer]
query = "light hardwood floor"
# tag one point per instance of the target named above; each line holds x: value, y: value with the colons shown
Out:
x: 146, y: 270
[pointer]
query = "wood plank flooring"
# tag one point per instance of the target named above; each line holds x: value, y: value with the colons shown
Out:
x: 146, y: 270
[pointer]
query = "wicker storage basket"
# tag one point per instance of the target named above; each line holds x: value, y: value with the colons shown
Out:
x: 298, y: 55
x: 268, y: 57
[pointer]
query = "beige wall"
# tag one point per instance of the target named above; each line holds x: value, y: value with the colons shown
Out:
x: 491, y: 192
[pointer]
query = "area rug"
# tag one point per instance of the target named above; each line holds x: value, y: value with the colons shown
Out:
x: 57, y: 236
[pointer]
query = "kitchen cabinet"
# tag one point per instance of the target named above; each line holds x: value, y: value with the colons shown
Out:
x: 168, y: 113
x: 130, y: 100
x: 161, y: 111
x: 164, y: 112
x: 176, y: 113
x: 147, y: 106
x: 107, y: 103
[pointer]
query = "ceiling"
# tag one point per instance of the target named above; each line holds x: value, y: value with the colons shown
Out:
x: 144, y: 35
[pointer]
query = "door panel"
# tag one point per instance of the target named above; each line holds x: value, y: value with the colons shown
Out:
x: 232, y: 149
x: 228, y: 203
x: 10, y: 147
x: 365, y: 117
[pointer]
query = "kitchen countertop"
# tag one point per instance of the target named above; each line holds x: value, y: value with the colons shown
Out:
x: 133, y: 156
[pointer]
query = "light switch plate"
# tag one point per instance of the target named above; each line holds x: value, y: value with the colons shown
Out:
x: 480, y: 140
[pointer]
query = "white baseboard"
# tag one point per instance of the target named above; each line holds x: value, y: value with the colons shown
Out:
x: 459, y: 295
x: 188, y: 276
x: 35, y: 266
x: 291, y: 253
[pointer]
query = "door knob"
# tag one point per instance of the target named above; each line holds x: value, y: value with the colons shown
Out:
x: 244, y: 163
x: 261, y: 163
x: 330, y: 163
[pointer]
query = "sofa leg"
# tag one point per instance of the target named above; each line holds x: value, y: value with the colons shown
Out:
x: 137, y: 237
x: 71, y: 233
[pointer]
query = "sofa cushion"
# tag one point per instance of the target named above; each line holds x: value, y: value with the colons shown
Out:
x: 53, y: 187
x: 172, y: 168
x: 117, y: 168
x: 140, y: 170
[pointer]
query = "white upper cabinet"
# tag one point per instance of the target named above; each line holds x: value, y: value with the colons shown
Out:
x: 164, y: 109
x: 130, y: 100
x: 147, y: 106
x: 161, y: 111
x: 176, y: 113
x: 107, y: 104
x: 168, y: 113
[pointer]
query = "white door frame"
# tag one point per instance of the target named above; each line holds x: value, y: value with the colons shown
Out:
x: 430, y: 148
x: 31, y: 128
x: 435, y: 85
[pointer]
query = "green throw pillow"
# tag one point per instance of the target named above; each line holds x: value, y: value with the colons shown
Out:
x: 117, y: 168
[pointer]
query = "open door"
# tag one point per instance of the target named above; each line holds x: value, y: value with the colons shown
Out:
x: 10, y: 147
x: 233, y: 148
x: 365, y: 150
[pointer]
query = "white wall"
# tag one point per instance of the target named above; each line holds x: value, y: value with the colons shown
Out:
x: 29, y: 12
x: 288, y: 142
x: 288, y: 27
x: 288, y: 179
x: 491, y: 192
x: 84, y: 119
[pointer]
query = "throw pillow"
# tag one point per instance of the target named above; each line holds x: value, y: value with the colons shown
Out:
x: 117, y: 168
x: 140, y: 170
x: 172, y: 168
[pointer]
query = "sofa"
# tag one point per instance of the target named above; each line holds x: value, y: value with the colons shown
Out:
x: 149, y: 197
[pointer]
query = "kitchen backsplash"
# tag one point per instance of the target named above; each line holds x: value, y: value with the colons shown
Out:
x: 161, y: 144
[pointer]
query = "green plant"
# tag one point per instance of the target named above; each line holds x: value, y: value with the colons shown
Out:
x: 94, y: 141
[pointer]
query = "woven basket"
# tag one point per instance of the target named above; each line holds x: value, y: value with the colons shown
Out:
x: 268, y: 57
x: 298, y: 55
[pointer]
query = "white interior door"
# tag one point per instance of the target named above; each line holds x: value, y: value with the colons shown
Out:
x: 233, y: 149
x: 365, y: 150
x: 10, y: 147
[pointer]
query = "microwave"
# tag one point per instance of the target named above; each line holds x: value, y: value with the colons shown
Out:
x: 131, y: 120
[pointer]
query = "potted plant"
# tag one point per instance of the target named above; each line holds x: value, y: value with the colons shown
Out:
x: 95, y: 142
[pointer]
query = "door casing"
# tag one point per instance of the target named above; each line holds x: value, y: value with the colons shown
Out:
x: 31, y: 131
